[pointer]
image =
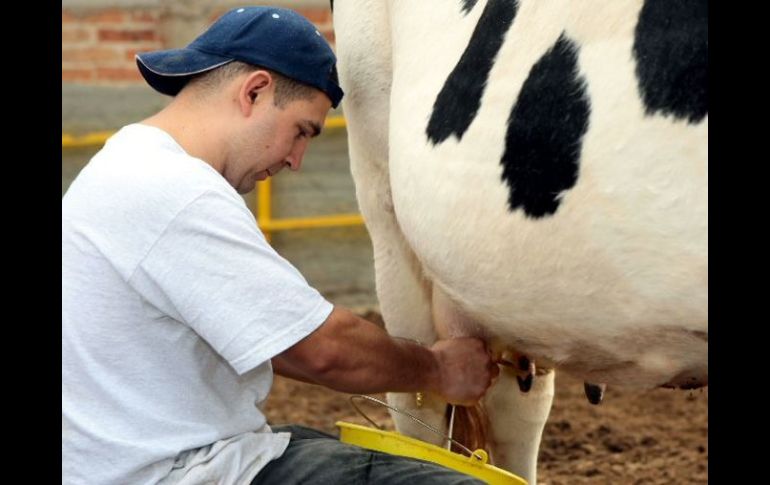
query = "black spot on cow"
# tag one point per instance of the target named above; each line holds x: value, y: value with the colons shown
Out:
x: 467, y: 5
x: 545, y: 132
x: 671, y: 53
x: 458, y: 102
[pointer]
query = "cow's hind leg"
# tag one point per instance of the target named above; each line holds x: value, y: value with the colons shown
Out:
x: 363, y: 49
x: 516, y: 421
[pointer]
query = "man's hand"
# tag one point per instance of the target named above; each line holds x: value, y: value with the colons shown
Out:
x: 466, y: 369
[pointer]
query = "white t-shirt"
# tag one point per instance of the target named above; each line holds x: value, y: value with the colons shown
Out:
x: 173, y: 305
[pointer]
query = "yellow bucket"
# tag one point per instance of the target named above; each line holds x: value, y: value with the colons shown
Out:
x: 395, y: 443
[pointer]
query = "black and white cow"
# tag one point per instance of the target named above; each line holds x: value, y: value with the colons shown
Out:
x: 535, y: 172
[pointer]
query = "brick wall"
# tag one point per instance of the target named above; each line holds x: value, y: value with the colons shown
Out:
x: 98, y: 45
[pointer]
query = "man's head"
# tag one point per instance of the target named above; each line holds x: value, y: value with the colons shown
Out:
x: 269, y: 122
x: 250, y: 92
x: 274, y: 38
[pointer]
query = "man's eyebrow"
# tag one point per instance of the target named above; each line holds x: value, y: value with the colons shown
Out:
x: 313, y: 127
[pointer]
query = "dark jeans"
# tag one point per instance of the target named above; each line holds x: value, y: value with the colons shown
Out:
x: 314, y: 457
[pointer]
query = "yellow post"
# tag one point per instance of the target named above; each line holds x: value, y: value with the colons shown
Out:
x: 264, y: 211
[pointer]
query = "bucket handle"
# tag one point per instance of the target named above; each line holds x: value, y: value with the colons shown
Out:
x: 480, y: 455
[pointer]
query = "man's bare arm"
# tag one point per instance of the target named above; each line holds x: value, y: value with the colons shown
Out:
x: 350, y: 354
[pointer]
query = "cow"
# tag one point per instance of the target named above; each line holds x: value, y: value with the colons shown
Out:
x: 535, y: 173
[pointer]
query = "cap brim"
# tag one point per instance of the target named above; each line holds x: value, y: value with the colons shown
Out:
x: 168, y: 71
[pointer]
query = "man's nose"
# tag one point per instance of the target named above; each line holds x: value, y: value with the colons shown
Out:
x: 294, y: 160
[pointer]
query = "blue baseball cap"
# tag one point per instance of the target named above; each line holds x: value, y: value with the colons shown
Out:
x: 271, y: 37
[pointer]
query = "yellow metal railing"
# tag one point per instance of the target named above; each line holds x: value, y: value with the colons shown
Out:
x: 265, y: 219
x: 269, y: 225
x: 91, y: 139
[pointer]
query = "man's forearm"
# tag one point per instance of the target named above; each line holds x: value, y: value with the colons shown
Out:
x: 350, y: 354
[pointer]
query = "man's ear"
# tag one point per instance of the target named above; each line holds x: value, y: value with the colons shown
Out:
x: 257, y: 86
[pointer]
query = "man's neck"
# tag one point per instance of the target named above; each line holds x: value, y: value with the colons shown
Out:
x: 192, y: 130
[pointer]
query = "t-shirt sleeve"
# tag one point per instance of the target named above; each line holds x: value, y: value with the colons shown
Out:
x: 213, y: 270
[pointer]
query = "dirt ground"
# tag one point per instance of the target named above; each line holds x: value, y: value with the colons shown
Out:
x: 654, y: 437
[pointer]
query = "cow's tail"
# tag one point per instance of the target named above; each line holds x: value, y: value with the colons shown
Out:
x: 471, y: 427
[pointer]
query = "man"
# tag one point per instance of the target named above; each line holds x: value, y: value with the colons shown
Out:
x: 176, y: 311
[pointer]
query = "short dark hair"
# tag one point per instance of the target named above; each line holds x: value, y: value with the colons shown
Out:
x: 286, y: 89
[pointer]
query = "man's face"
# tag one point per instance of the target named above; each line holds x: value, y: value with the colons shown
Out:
x: 275, y: 138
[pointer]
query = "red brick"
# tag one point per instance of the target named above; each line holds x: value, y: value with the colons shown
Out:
x: 68, y: 17
x: 76, y: 75
x: 75, y: 34
x: 150, y: 16
x: 123, y: 35
x: 96, y: 54
x: 107, y: 16
x: 118, y: 74
x: 318, y: 16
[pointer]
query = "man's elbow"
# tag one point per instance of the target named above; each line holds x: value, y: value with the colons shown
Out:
x: 324, y: 355
x: 314, y: 364
x: 323, y: 364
